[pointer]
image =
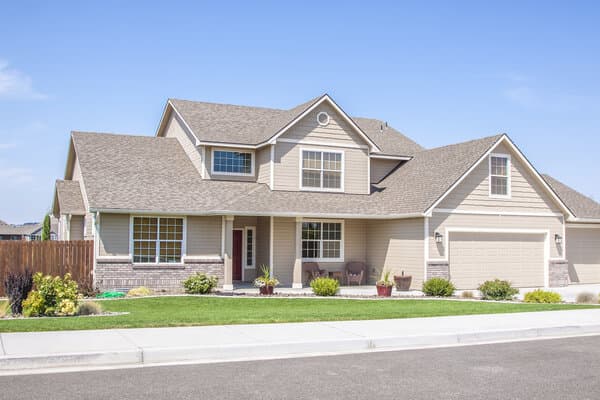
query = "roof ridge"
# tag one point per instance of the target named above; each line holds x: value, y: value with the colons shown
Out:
x: 467, y: 142
x: 136, y: 135
x: 248, y: 106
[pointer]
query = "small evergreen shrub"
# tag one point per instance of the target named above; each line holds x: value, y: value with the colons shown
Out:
x: 139, y: 292
x: 17, y: 286
x: 542, y: 296
x: 467, y: 294
x: 438, y: 287
x: 200, y: 283
x: 497, y: 290
x: 54, y: 296
x: 587, y: 298
x: 89, y: 308
x: 325, y: 286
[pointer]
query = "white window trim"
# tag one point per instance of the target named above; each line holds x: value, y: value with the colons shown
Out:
x: 229, y: 150
x: 245, y: 244
x: 508, y: 176
x: 157, y: 263
x: 321, y: 189
x: 321, y: 259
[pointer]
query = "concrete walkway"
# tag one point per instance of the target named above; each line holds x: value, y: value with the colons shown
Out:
x: 21, y: 352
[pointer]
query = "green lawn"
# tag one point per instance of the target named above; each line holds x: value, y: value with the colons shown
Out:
x: 187, y: 311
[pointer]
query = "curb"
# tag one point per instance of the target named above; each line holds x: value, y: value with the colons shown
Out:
x: 206, y: 354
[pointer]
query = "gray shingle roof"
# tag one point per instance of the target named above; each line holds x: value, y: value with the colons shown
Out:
x: 123, y: 172
x: 70, y: 199
x: 25, y: 229
x: 581, y: 205
x: 226, y: 123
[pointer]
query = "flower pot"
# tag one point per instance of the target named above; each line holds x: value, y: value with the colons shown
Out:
x: 266, y: 290
x: 384, y: 291
x: 403, y: 282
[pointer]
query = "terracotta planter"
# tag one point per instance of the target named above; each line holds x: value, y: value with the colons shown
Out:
x: 403, y: 282
x: 384, y: 291
x: 266, y: 290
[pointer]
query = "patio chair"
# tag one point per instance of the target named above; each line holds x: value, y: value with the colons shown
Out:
x: 312, y: 271
x: 356, y: 271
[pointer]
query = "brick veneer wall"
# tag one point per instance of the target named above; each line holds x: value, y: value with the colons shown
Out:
x: 438, y: 269
x: 125, y: 276
x: 558, y: 273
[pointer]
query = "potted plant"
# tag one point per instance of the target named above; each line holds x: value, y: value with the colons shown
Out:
x: 385, y: 285
x: 403, y: 282
x: 266, y: 282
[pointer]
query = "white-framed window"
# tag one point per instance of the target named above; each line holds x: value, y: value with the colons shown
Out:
x: 499, y: 175
x: 157, y: 240
x: 232, y: 162
x: 323, y: 241
x: 321, y: 170
x: 250, y: 247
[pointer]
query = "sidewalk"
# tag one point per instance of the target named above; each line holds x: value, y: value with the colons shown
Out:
x: 21, y: 352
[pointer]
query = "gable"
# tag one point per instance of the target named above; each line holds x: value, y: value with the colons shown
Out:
x: 527, y: 191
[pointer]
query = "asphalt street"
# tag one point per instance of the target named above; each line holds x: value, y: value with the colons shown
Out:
x: 543, y: 369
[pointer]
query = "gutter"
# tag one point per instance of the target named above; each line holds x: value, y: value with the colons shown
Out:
x: 585, y: 220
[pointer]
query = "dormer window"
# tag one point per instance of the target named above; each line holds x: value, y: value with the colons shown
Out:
x: 499, y: 175
x: 230, y: 162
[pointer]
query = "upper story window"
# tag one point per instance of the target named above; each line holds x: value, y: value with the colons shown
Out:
x: 228, y: 162
x: 157, y: 240
x: 499, y: 175
x: 322, y: 170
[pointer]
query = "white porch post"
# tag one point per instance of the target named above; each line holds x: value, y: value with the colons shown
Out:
x: 297, y: 279
x: 228, y: 253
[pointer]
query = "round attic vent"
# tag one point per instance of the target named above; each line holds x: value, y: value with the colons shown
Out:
x: 323, y: 118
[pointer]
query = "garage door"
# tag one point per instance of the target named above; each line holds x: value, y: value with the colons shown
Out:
x: 477, y: 257
x: 583, y: 253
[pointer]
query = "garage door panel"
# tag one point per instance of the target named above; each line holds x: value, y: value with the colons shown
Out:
x: 583, y: 254
x: 477, y: 257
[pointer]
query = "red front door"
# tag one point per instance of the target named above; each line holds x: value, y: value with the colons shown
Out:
x: 237, y: 255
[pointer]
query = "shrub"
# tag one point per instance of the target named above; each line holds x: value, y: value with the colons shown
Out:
x: 438, y: 287
x: 89, y: 308
x: 200, y: 283
x: 325, y: 286
x: 467, y: 294
x: 587, y: 298
x: 53, y: 296
x: 497, y: 290
x: 542, y: 296
x: 87, y: 288
x: 17, y: 286
x: 139, y: 292
x: 3, y: 309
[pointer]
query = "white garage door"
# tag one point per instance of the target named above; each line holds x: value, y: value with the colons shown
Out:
x: 583, y: 253
x: 477, y: 257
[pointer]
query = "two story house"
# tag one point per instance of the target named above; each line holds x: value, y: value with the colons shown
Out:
x: 225, y: 189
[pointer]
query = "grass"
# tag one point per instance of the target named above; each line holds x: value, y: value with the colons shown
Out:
x: 188, y: 311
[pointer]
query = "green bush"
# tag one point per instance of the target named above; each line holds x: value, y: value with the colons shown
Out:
x: 200, y: 283
x: 542, y: 296
x: 89, y: 308
x: 497, y: 290
x: 438, y: 287
x: 17, y: 286
x: 53, y: 296
x: 139, y: 292
x: 325, y: 286
x: 587, y: 298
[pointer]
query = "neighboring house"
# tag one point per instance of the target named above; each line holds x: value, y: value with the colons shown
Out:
x: 27, y: 231
x: 225, y: 189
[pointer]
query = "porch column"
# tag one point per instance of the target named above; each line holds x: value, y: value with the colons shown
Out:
x: 228, y: 252
x: 297, y: 279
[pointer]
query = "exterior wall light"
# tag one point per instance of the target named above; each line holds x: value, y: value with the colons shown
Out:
x: 438, y: 237
x: 558, y: 239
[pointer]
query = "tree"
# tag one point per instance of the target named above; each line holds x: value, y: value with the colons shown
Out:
x: 46, y: 228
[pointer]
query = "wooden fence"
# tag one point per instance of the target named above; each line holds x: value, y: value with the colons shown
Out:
x: 49, y: 257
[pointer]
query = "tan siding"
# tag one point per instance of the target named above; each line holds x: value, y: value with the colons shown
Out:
x: 284, y: 250
x: 114, y: 234
x: 76, y: 227
x: 396, y: 245
x: 583, y: 253
x: 176, y: 129
x: 220, y: 177
x: 263, y: 165
x: 241, y: 222
x: 473, y: 193
x: 88, y: 232
x: 262, y: 241
x: 203, y: 236
x: 287, y: 167
x: 440, y: 222
x: 381, y: 168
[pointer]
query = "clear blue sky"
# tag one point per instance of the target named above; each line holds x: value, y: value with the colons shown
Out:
x: 439, y: 72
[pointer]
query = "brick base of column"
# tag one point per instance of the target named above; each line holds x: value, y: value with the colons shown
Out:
x: 558, y: 273
x: 438, y: 269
